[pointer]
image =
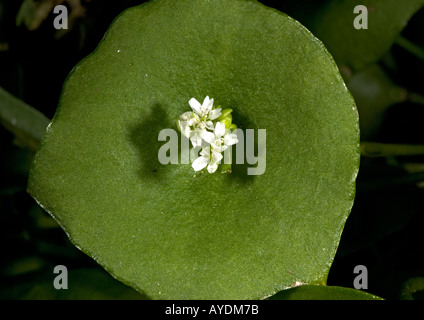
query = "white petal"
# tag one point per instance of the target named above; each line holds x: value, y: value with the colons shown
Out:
x: 215, y: 113
x: 230, y: 139
x: 212, y: 167
x: 205, y: 144
x: 209, y: 137
x: 195, y: 105
x: 196, y: 117
x: 216, y: 156
x: 200, y: 163
x: 187, y: 132
x: 206, y: 101
x: 184, y: 128
x: 206, y: 152
x: 194, y: 153
x: 207, y: 105
x: 192, y: 122
x: 219, y: 129
x: 181, y: 125
x: 217, y: 145
x: 196, y: 138
x: 209, y: 125
x: 186, y: 116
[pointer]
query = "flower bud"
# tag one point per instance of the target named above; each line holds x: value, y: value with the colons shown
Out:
x: 226, y: 117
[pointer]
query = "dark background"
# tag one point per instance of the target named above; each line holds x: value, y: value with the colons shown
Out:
x: 384, y: 231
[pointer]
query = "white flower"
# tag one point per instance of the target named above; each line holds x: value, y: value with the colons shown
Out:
x: 184, y: 128
x: 219, y: 141
x: 197, y: 136
x: 195, y: 124
x: 205, y: 131
x: 201, y: 109
x: 208, y: 157
x: 204, y: 113
x: 221, y: 138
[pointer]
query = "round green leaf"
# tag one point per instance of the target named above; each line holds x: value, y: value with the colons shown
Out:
x: 83, y: 284
x: 412, y: 287
x: 323, y: 293
x: 333, y: 23
x: 174, y: 234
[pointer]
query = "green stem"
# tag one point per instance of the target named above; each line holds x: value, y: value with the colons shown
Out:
x: 27, y: 123
x: 372, y: 149
x: 410, y: 47
x: 390, y: 182
x: 415, y: 98
x: 410, y: 287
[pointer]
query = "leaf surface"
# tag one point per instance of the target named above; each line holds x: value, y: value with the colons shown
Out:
x: 174, y: 234
x: 323, y: 293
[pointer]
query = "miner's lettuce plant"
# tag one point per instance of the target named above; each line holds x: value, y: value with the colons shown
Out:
x: 171, y: 234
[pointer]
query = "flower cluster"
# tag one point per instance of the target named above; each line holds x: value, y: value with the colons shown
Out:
x: 210, y: 129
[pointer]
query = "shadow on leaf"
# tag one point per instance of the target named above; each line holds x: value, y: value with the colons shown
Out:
x: 144, y: 136
x: 239, y: 171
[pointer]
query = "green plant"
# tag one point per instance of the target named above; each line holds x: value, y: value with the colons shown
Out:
x: 171, y: 233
